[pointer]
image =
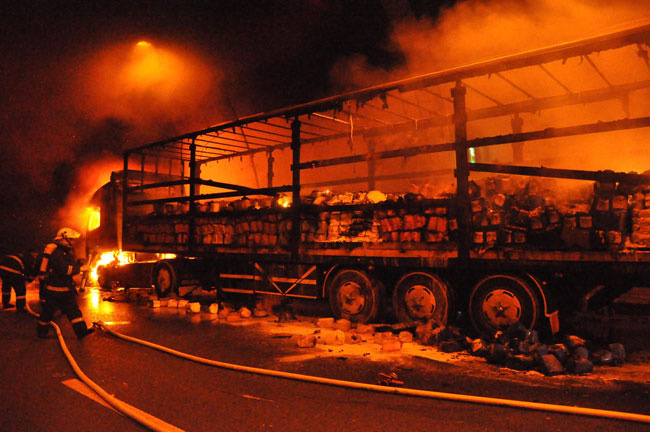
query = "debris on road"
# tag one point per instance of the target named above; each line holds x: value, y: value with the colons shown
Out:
x: 389, y: 380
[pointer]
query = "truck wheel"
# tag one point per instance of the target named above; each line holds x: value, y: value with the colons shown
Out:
x: 498, y: 301
x: 164, y: 279
x: 420, y: 297
x: 355, y: 296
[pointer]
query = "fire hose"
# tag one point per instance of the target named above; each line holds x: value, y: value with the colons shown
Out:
x: 141, y: 417
x: 591, y: 412
x: 158, y: 425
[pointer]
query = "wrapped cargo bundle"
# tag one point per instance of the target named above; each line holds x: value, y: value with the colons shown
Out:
x: 505, y: 212
x: 413, y: 219
x: 640, y: 203
x: 609, y: 214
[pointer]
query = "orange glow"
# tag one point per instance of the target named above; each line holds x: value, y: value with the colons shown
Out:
x: 76, y: 213
x: 285, y: 201
x: 119, y: 257
x: 94, y: 218
x: 145, y: 82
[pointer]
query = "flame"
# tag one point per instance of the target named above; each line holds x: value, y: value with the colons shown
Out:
x: 119, y: 258
x: 285, y: 201
x: 94, y: 217
x: 116, y: 257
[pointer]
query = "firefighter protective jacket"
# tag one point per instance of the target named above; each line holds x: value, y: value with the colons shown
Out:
x: 12, y: 264
x: 58, y: 266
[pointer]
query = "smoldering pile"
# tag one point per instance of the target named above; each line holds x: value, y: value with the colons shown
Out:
x: 521, y: 349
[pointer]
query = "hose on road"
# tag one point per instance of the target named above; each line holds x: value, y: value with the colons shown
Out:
x: 591, y: 412
x: 141, y: 417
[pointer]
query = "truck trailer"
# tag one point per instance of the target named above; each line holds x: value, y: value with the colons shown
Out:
x: 513, y: 190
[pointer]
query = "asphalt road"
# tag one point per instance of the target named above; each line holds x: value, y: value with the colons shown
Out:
x: 40, y: 391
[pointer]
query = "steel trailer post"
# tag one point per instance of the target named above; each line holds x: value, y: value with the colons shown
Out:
x: 295, y: 147
x: 517, y: 124
x: 372, y: 165
x: 462, y: 173
x: 269, y: 170
x: 125, y: 185
x: 193, y: 185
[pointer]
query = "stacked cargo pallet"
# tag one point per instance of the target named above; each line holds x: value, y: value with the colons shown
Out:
x: 504, y: 214
x: 640, y: 203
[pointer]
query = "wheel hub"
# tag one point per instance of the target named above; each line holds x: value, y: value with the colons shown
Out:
x: 420, y: 301
x: 501, y: 308
x: 164, y: 280
x: 351, y: 299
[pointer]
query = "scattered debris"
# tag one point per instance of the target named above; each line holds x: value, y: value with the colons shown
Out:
x: 389, y: 380
x: 336, y: 337
x: 343, y: 325
x: 391, y: 345
x: 325, y: 322
x: 364, y: 328
x: 260, y: 311
x: 233, y: 317
x: 306, y: 341
x: 405, y: 336
x: 225, y: 310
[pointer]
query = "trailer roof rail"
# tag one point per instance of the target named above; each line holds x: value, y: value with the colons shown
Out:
x: 419, y: 102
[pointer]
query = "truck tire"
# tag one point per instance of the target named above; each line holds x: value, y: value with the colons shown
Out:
x: 355, y: 296
x: 164, y: 279
x: 499, y: 301
x: 420, y: 297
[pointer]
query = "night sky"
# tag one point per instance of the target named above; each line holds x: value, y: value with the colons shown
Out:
x: 268, y: 54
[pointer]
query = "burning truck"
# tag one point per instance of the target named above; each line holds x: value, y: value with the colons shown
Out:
x: 511, y: 189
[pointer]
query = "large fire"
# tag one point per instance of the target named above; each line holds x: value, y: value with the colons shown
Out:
x: 118, y: 258
x: 110, y: 258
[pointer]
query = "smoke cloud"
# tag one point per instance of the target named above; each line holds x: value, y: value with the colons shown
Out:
x: 477, y: 30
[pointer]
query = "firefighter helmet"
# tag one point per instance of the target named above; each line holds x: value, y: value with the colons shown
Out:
x: 67, y: 234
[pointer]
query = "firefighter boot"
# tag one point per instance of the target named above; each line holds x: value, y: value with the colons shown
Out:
x: 20, y: 304
x: 42, y: 329
x: 6, y: 298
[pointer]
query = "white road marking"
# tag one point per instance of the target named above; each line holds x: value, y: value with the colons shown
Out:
x: 256, y: 398
x: 82, y: 388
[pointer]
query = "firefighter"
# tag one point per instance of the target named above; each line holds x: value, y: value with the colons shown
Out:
x: 32, y: 263
x: 12, y: 273
x: 57, y: 268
